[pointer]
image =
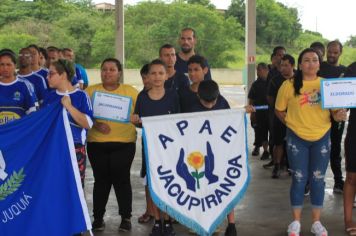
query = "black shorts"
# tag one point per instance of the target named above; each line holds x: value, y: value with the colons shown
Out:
x: 350, y: 153
x: 262, y: 128
x: 279, y: 131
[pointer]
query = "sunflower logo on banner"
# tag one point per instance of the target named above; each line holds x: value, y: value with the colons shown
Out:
x: 196, y: 160
x: 197, y: 165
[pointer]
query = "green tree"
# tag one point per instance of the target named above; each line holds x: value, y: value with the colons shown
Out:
x: 306, y: 38
x: 82, y: 27
x: 103, y: 41
x: 151, y: 24
x: 11, y: 11
x: 237, y: 10
x: 351, y: 42
x: 16, y: 41
x: 40, y: 32
x: 275, y: 23
x: 205, y: 3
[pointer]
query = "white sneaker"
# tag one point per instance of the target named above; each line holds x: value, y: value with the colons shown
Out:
x: 318, y: 229
x: 294, y: 228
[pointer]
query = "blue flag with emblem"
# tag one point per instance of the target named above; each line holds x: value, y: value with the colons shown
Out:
x: 197, y: 165
x: 40, y: 189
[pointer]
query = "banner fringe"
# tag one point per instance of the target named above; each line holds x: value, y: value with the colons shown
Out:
x: 191, y: 224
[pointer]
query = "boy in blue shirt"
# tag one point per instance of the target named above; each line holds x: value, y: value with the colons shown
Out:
x: 157, y: 101
x: 147, y: 216
x: 210, y: 99
x: 144, y: 76
x: 197, y: 69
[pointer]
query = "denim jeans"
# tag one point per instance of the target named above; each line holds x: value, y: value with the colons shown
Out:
x: 308, y: 160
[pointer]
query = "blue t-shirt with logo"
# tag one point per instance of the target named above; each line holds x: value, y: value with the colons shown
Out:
x: 81, y: 101
x: 39, y: 84
x: 17, y: 99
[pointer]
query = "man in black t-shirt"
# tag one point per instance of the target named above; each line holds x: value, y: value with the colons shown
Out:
x: 319, y: 48
x: 176, y: 80
x: 257, y: 96
x: 187, y: 41
x: 332, y: 69
x: 278, y: 128
x: 276, y: 57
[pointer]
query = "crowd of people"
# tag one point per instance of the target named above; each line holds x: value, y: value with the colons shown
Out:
x: 294, y: 132
x: 298, y: 134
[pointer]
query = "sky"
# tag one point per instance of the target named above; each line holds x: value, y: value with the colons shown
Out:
x: 333, y: 19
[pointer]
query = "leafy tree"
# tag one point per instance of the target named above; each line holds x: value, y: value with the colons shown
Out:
x: 237, y: 10
x: 148, y: 25
x: 275, y: 23
x: 40, y: 32
x: 205, y: 3
x: 348, y: 56
x: 12, y: 10
x: 306, y: 38
x: 16, y: 41
x: 103, y: 41
x: 351, y: 42
x: 157, y: 23
x: 82, y: 27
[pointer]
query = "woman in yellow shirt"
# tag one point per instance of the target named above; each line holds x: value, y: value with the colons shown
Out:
x: 112, y: 143
x: 298, y: 105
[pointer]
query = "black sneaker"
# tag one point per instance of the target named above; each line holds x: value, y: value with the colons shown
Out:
x: 98, y: 225
x: 339, y: 187
x: 231, y: 230
x: 168, y: 229
x: 156, y: 229
x: 265, y: 155
x: 256, y: 151
x: 276, y: 171
x: 268, y: 165
x: 125, y: 225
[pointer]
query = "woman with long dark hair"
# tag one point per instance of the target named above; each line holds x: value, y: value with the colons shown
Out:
x: 298, y: 105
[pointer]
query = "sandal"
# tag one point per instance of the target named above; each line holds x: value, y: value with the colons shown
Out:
x: 145, y: 218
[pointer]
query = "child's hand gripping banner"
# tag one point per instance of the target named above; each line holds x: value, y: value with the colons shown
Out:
x: 197, y: 165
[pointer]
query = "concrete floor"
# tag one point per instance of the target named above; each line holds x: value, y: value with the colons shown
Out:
x: 264, y: 210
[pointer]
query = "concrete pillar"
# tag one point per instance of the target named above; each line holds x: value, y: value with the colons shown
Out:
x: 119, y: 34
x: 250, y: 42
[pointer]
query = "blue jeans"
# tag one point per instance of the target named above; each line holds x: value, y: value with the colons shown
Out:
x: 308, y: 160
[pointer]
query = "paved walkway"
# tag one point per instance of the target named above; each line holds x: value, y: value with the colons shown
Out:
x: 264, y: 210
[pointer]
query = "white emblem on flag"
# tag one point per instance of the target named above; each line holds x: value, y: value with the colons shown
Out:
x: 3, y: 174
